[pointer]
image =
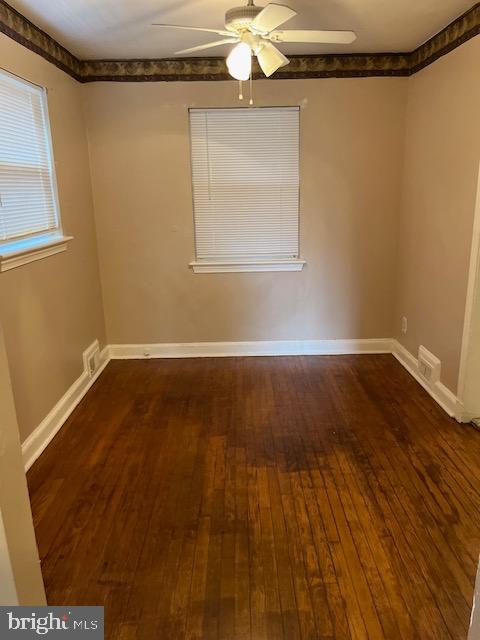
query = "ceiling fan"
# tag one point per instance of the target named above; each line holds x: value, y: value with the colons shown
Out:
x: 254, y: 30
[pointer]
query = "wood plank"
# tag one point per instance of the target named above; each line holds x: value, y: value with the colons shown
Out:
x: 323, y: 498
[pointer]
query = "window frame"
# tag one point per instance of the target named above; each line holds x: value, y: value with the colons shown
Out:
x: 15, y: 252
x: 247, y: 264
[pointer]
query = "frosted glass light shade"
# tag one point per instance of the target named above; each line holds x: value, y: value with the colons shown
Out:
x: 239, y: 61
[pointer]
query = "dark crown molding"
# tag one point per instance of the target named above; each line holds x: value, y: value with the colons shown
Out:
x: 17, y: 27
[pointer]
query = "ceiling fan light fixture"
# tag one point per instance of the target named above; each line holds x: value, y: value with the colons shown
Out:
x: 255, y: 29
x: 239, y: 61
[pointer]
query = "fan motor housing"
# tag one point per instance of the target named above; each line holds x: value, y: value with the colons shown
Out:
x: 239, y: 18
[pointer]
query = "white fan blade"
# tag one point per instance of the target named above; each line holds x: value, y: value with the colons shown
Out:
x: 272, y: 17
x: 207, y: 46
x: 322, y: 37
x: 181, y: 26
x: 270, y: 59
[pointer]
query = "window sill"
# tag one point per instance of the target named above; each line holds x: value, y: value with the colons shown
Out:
x: 16, y: 254
x: 242, y: 266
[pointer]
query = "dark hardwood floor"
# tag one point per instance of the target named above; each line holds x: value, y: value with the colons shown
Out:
x: 306, y: 497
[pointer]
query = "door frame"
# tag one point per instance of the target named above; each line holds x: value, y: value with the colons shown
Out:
x: 20, y: 572
x: 473, y: 295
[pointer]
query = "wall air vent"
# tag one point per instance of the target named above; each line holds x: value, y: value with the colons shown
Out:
x: 428, y: 366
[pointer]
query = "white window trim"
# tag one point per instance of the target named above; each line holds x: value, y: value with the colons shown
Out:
x: 236, y: 264
x: 21, y: 252
x: 246, y: 266
x: 24, y: 250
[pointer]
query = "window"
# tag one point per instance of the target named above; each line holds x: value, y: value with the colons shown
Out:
x: 29, y: 218
x: 245, y: 179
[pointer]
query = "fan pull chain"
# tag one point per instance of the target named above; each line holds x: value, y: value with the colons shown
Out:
x: 240, y: 92
x: 251, y: 88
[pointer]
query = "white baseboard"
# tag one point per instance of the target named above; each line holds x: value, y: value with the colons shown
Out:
x: 35, y: 444
x: 439, y: 392
x: 39, y: 439
x: 266, y: 348
x: 464, y: 416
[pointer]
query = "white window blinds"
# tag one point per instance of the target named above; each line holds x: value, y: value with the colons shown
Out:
x: 27, y: 191
x: 245, y: 182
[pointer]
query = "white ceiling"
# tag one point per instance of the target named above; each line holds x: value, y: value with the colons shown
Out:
x: 121, y: 28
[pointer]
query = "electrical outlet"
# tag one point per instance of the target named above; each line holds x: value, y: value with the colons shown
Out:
x: 404, y: 325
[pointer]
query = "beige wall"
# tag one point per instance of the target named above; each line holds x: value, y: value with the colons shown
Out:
x: 52, y: 309
x: 366, y: 157
x: 442, y: 152
x: 352, y: 141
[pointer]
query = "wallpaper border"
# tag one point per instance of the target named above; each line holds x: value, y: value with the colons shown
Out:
x: 16, y: 26
x: 359, y: 65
